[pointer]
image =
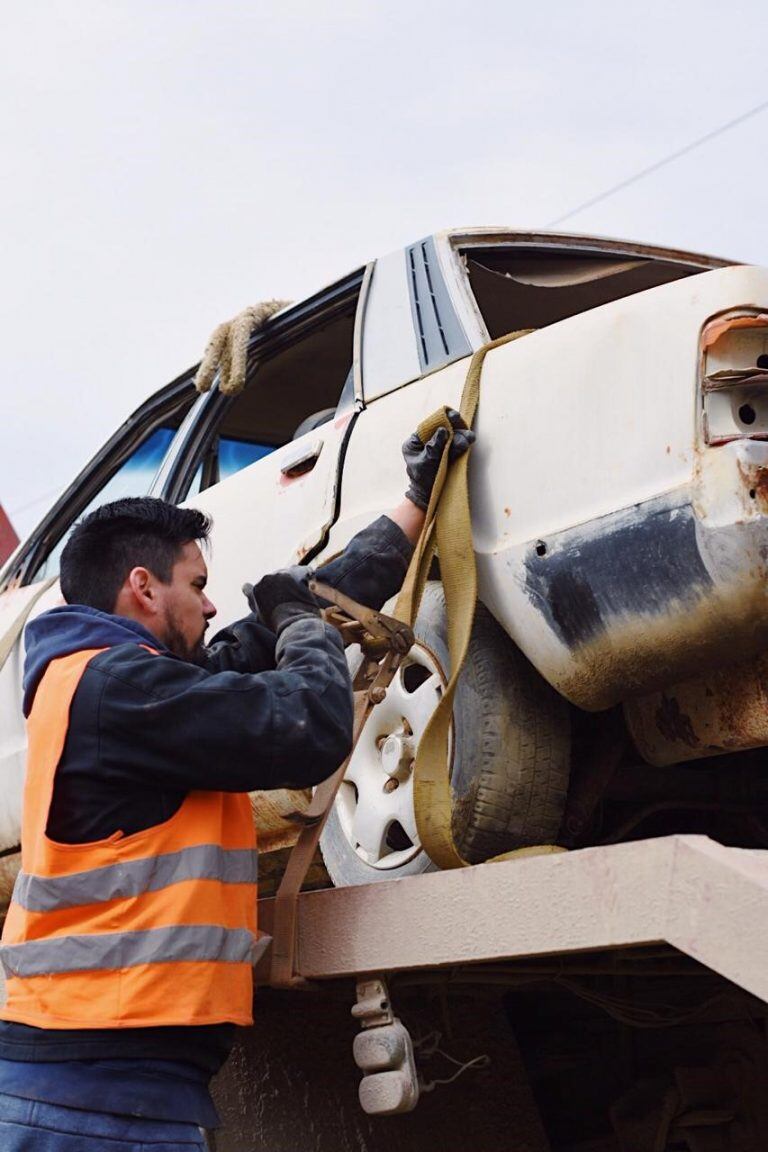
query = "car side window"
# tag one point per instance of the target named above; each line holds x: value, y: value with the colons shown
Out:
x: 294, y: 385
x: 125, y: 475
x: 223, y: 459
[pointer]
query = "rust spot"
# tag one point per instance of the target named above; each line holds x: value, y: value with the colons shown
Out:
x: 673, y: 723
x: 668, y: 449
x: 760, y: 487
x: 717, y: 328
x: 756, y: 481
x: 507, y: 511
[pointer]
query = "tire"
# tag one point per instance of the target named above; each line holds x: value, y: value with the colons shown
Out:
x: 510, y: 757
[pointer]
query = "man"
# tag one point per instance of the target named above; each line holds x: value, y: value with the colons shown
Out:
x: 127, y: 945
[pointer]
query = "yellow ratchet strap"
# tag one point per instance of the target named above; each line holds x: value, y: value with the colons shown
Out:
x: 448, y: 531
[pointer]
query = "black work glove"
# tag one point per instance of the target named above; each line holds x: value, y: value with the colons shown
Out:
x: 423, y: 460
x: 282, y: 597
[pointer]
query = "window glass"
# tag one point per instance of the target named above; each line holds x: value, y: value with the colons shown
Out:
x: 133, y: 478
x: 237, y: 454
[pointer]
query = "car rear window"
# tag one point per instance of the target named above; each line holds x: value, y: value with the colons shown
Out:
x: 517, y: 287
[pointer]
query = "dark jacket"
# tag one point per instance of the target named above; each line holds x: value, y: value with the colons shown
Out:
x: 144, y: 730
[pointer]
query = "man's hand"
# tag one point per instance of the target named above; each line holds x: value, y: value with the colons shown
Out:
x: 423, y: 460
x: 282, y: 597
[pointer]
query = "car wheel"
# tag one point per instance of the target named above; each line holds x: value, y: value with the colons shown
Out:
x: 510, y: 753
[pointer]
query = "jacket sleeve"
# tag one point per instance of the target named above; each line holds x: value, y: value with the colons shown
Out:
x: 169, y: 724
x: 372, y: 567
x: 245, y: 646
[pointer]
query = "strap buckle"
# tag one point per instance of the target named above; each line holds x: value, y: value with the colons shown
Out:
x: 376, y: 633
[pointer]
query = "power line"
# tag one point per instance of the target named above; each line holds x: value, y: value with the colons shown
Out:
x: 660, y: 163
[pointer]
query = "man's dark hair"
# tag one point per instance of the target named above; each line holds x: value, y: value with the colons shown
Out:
x: 139, y: 531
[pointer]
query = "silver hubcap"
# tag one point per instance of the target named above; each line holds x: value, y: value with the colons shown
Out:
x: 375, y: 801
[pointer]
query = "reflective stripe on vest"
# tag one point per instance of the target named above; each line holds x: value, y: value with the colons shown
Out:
x: 120, y: 881
x: 128, y: 949
x: 151, y: 929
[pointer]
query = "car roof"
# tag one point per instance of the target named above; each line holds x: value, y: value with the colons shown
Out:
x: 488, y: 234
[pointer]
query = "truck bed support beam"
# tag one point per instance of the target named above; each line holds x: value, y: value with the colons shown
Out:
x: 708, y: 901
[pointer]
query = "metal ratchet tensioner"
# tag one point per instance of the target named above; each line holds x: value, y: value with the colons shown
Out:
x: 384, y: 641
x: 373, y: 631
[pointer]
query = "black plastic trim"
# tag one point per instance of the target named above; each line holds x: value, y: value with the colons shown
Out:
x: 440, y: 337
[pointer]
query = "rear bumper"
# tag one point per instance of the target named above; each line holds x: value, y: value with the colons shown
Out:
x: 648, y: 596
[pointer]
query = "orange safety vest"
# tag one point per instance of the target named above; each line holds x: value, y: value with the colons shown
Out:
x: 156, y: 928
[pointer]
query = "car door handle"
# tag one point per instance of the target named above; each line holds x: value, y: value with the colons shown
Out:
x: 302, y: 460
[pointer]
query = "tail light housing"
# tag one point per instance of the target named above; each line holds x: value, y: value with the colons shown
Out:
x: 734, y: 385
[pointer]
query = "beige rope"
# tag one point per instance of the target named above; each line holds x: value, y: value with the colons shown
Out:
x: 227, y: 349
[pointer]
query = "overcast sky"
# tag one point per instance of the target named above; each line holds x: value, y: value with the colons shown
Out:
x: 166, y: 162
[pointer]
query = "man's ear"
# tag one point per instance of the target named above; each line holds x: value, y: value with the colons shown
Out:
x: 141, y: 587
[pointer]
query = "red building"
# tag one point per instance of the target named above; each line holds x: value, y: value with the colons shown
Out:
x: 8, y: 537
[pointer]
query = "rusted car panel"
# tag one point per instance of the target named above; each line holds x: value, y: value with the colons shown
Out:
x: 649, y: 560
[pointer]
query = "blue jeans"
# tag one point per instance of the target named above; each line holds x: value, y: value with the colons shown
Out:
x: 29, y: 1126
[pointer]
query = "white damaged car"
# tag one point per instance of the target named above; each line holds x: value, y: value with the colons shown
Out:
x: 619, y: 494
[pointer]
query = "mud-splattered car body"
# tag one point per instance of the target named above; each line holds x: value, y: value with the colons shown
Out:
x: 618, y: 485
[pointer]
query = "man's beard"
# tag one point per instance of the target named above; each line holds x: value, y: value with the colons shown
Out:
x: 175, y: 641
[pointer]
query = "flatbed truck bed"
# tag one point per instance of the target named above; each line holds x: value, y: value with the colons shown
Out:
x: 583, y: 993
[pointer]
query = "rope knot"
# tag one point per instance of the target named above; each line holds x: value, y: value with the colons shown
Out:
x: 227, y: 349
